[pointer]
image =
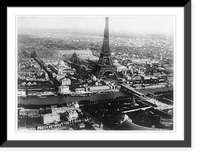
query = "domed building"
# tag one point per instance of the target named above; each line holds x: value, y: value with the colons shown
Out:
x: 63, y: 69
x: 75, y: 59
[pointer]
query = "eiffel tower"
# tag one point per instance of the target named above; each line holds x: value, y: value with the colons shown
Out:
x: 105, y: 61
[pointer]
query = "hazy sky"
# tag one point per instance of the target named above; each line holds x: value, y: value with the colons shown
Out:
x: 135, y: 24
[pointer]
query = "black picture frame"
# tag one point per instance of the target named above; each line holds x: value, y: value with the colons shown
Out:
x: 126, y: 143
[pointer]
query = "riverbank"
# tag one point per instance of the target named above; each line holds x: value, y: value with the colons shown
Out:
x: 154, y: 90
x: 93, y: 97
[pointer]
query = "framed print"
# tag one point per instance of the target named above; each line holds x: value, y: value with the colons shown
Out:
x: 98, y: 76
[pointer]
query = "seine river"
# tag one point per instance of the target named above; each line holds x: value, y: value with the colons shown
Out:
x: 94, y: 97
x: 63, y: 99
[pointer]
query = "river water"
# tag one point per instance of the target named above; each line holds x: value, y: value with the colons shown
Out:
x: 63, y: 99
x: 94, y: 97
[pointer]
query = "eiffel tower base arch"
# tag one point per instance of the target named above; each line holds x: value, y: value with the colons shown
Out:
x: 103, y: 71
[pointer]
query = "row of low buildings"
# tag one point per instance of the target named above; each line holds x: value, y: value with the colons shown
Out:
x: 65, y: 89
x: 53, y: 114
x: 50, y: 118
x: 29, y: 112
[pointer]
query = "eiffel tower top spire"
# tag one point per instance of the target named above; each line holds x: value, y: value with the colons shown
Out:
x: 105, y: 48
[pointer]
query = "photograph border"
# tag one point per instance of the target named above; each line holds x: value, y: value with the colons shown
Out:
x: 125, y: 143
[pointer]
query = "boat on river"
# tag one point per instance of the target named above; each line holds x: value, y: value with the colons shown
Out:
x: 42, y: 97
x: 75, y: 94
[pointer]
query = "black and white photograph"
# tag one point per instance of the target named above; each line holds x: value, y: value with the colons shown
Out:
x: 98, y: 77
x: 95, y: 73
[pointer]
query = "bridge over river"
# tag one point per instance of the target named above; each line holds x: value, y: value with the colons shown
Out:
x: 147, y: 100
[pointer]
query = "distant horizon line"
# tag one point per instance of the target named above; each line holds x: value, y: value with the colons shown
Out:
x: 94, y: 30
